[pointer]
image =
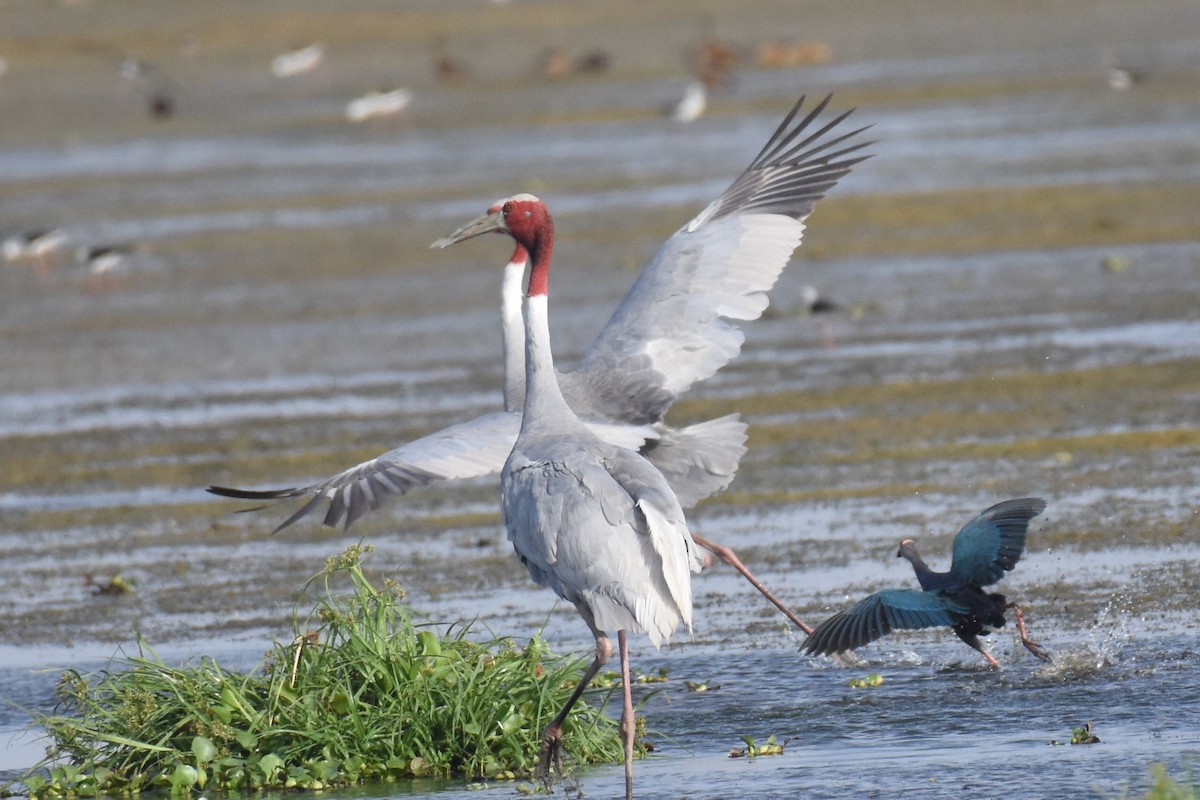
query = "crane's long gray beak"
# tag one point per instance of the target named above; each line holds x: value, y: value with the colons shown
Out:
x: 484, y: 223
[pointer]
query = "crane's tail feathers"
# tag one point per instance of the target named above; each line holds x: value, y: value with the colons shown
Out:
x: 699, y: 460
x: 638, y: 615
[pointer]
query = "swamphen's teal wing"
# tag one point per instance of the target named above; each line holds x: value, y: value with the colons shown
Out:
x: 879, y: 614
x: 992, y: 543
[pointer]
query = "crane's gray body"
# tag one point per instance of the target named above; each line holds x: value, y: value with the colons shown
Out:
x: 595, y: 522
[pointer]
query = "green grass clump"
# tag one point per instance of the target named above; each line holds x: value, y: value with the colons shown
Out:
x: 1166, y: 788
x: 362, y: 694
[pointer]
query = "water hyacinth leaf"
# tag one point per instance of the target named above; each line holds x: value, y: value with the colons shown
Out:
x: 184, y: 776
x: 326, y: 769
x: 247, y: 740
x: 513, y: 722
x: 269, y: 764
x: 204, y: 750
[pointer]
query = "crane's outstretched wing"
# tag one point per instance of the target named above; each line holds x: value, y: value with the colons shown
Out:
x: 992, y: 543
x: 879, y: 614
x: 466, y: 450
x: 679, y: 322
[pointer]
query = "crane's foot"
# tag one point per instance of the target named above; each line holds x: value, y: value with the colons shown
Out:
x: 991, y: 659
x: 1030, y: 644
x: 552, y: 752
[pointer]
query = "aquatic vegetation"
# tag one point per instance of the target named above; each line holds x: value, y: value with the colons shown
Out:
x: 1081, y: 735
x: 868, y: 682
x: 1084, y: 735
x: 1166, y: 788
x: 116, y: 585
x: 771, y: 747
x: 612, y: 678
x: 363, y: 693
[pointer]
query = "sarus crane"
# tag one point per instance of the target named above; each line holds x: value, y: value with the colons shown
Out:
x: 985, y: 548
x: 678, y: 324
x: 595, y: 522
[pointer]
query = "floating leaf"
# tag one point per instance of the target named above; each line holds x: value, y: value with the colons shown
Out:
x: 270, y: 764
x: 184, y: 776
x: 204, y: 750
x: 868, y: 682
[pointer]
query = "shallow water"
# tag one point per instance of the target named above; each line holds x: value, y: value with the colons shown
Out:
x: 1019, y: 274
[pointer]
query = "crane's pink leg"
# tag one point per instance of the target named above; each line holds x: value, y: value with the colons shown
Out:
x: 628, y: 724
x: 552, y: 734
x: 729, y: 557
x: 1030, y: 644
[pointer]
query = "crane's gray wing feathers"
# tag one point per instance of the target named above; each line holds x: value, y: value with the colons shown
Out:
x: 579, y: 532
x: 790, y: 174
x: 664, y: 522
x: 678, y: 322
x: 877, y: 615
x: 467, y: 450
x: 471, y: 449
x: 992, y: 543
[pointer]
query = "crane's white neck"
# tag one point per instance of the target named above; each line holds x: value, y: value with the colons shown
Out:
x: 543, y: 397
x: 512, y: 322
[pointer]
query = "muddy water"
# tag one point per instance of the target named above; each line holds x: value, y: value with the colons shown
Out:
x: 1019, y: 275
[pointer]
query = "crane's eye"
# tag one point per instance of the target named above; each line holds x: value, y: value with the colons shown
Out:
x: 508, y: 207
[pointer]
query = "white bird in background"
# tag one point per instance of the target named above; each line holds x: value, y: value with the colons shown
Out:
x: 595, y: 522
x: 678, y: 324
x: 102, y: 260
x: 42, y: 249
x: 373, y: 105
x: 692, y: 104
x: 33, y: 245
x: 297, y: 62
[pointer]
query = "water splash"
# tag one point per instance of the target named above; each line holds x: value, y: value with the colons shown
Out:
x: 1103, y: 646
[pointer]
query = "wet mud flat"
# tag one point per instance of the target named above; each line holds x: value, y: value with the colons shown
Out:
x: 1018, y: 271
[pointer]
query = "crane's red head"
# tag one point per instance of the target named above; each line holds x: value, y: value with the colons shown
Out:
x: 524, y: 218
